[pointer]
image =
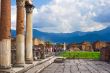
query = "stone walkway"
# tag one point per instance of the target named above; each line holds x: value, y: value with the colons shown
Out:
x: 78, y: 66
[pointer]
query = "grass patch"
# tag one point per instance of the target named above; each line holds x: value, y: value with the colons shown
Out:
x: 80, y: 55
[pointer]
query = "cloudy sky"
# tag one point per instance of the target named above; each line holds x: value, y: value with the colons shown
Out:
x: 66, y: 16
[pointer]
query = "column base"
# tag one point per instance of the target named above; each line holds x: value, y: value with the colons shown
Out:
x: 5, y: 54
x: 29, y: 61
x: 5, y: 67
x: 6, y: 71
x: 19, y: 65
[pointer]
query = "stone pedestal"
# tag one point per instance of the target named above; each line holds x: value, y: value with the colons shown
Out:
x: 5, y: 39
x: 29, y: 38
x: 20, y: 48
x: 42, y: 52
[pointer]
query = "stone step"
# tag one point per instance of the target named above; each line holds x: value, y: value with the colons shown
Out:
x: 40, y: 67
x: 35, y: 67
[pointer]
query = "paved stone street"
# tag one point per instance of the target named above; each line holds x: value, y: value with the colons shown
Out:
x: 78, y: 66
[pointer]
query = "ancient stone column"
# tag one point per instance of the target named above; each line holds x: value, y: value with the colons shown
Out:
x: 64, y: 46
x: 20, y: 48
x: 29, y: 38
x: 0, y: 17
x: 5, y: 36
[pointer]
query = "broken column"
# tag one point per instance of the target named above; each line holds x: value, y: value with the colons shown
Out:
x: 29, y: 38
x: 20, y: 48
x: 5, y: 35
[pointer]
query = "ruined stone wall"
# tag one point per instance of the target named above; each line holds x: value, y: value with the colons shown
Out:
x: 99, y: 45
x: 38, y: 42
x: 86, y: 46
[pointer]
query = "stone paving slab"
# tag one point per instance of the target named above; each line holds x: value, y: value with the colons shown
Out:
x: 78, y: 66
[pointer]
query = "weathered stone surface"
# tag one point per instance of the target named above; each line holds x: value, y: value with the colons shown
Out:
x: 20, y: 16
x: 41, y: 66
x: 0, y: 19
x: 20, y: 3
x: 5, y: 19
x: 5, y: 40
x: 20, y: 48
x: 35, y: 67
x: 59, y: 60
x: 29, y: 37
x: 78, y: 66
x: 5, y: 53
x: 20, y: 51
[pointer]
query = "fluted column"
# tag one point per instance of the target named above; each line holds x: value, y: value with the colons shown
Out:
x: 5, y: 39
x: 29, y: 42
x: 20, y: 48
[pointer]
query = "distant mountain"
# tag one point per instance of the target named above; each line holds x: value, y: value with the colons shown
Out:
x: 102, y: 35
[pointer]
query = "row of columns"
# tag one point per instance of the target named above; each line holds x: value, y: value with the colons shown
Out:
x: 23, y: 53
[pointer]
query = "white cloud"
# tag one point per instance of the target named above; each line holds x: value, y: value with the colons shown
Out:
x: 67, y: 16
x: 13, y: 17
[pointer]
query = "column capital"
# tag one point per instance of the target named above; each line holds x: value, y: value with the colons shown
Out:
x: 20, y: 3
x: 29, y: 8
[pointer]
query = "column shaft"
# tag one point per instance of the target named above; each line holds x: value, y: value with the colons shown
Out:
x: 20, y: 48
x: 5, y: 39
x: 29, y: 52
x: 29, y: 41
x: 0, y: 19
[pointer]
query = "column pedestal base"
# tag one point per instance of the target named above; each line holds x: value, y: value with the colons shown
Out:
x: 6, y: 71
x: 5, y: 54
x: 19, y: 65
x: 29, y: 61
x: 5, y: 67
